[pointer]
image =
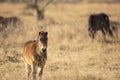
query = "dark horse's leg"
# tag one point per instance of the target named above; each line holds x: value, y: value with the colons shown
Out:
x: 108, y: 30
x: 91, y: 34
x: 107, y: 25
x: 104, y: 34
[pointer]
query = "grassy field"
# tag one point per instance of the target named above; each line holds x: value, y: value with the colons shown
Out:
x: 71, y: 56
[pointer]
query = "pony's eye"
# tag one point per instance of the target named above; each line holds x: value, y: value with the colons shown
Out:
x: 41, y: 39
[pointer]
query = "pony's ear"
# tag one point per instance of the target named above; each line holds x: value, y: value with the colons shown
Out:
x: 39, y: 33
x: 46, y: 33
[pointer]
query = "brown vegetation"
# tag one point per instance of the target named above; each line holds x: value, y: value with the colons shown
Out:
x: 70, y: 54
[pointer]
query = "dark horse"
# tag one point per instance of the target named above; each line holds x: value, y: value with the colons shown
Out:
x: 99, y: 22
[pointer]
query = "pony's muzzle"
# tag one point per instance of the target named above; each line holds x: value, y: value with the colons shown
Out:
x: 43, y: 49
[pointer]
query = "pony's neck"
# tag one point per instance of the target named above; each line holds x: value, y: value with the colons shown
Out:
x: 37, y: 46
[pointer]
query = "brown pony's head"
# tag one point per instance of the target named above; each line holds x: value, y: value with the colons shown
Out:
x: 42, y: 41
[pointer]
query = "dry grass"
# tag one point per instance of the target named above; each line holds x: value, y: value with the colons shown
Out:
x: 70, y: 54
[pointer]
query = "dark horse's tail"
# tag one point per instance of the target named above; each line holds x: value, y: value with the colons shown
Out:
x: 107, y: 28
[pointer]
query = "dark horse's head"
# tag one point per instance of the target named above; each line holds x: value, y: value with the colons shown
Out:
x: 42, y: 41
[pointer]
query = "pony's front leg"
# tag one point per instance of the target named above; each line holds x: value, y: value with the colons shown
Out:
x: 34, y: 72
x: 40, y: 73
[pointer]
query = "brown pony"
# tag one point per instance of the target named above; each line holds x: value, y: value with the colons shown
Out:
x: 35, y: 55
